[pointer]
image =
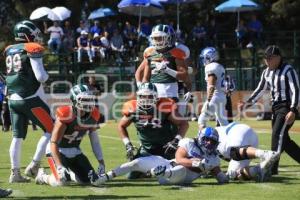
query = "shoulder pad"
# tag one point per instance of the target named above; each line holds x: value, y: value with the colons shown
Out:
x: 166, y: 105
x: 65, y: 114
x: 129, y: 107
x: 34, y: 49
x: 148, y: 51
x: 178, y: 53
x: 96, y: 114
x: 185, y: 49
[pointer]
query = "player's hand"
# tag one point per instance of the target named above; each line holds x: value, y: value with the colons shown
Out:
x: 101, y: 169
x: 162, y: 66
x: 62, y: 173
x: 130, y: 151
x: 188, y: 97
x: 290, y: 117
x: 171, y: 147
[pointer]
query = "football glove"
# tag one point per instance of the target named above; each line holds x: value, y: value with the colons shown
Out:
x: 171, y: 147
x: 161, y: 67
x: 206, y: 164
x: 188, y: 97
x: 63, y: 173
x: 130, y: 151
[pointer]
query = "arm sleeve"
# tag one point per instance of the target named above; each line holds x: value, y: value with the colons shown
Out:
x: 38, y: 69
x: 259, y: 91
x: 294, y: 85
x: 96, y: 146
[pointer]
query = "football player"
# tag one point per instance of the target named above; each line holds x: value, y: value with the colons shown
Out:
x: 238, y: 145
x: 72, y: 124
x: 159, y: 125
x: 164, y: 63
x: 25, y: 75
x: 216, y: 97
x: 194, y: 157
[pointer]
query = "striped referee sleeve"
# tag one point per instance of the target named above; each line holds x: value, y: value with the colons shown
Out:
x: 294, y: 85
x: 259, y: 91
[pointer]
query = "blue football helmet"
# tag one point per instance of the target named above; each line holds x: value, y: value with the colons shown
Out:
x: 208, y: 139
x: 209, y: 55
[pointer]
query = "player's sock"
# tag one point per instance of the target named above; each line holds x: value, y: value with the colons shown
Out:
x: 41, y: 147
x: 110, y: 175
x: 175, y: 175
x: 259, y: 153
x: 15, y: 152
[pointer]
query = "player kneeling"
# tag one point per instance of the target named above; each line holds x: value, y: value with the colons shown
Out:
x: 72, y: 124
x: 194, y: 157
x: 238, y: 145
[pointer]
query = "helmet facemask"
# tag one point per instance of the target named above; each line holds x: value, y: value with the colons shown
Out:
x: 160, y: 40
x: 146, y: 99
x: 85, y: 102
x: 208, y: 140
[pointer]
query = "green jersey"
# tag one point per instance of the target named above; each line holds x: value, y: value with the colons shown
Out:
x: 155, y: 57
x: 153, y: 127
x: 76, y: 127
x: 20, y: 76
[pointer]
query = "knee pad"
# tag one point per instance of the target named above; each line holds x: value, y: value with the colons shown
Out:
x: 235, y: 153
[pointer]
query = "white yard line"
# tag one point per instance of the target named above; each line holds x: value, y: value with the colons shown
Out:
x: 270, y: 131
x: 98, y: 190
x: 17, y: 193
x: 117, y: 138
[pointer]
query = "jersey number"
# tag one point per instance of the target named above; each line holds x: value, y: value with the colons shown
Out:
x: 222, y: 80
x: 13, y: 63
x: 73, y: 137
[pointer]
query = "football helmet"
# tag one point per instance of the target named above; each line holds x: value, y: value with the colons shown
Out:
x: 209, y: 55
x: 208, y: 139
x: 82, y: 98
x: 146, y: 96
x: 162, y: 36
x: 26, y: 31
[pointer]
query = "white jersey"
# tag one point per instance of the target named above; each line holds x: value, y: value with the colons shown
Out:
x: 219, y: 71
x: 235, y: 135
x: 191, y: 148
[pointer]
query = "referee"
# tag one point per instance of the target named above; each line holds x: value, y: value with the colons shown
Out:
x: 282, y: 81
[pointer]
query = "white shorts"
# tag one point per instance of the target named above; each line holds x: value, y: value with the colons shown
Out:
x: 167, y: 89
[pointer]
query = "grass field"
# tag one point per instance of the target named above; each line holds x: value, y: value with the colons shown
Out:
x: 286, y: 185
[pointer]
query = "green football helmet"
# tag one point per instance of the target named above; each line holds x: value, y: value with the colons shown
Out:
x: 82, y: 98
x: 26, y: 31
x: 162, y: 37
x: 146, y: 96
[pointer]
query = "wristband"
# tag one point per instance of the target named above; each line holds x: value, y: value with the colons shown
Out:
x: 179, y: 137
x: 126, y: 140
x: 171, y: 72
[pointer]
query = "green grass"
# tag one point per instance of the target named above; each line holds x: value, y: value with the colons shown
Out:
x: 283, y: 186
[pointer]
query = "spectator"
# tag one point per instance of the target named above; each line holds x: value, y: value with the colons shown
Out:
x: 199, y: 35
x: 82, y: 27
x: 68, y: 41
x: 56, y: 34
x: 105, y: 44
x: 212, y: 32
x: 5, y: 115
x: 83, y: 44
x: 110, y: 28
x: 96, y: 46
x: 145, y: 28
x: 117, y: 44
x: 130, y: 38
x: 241, y: 34
x: 255, y: 29
x: 96, y: 28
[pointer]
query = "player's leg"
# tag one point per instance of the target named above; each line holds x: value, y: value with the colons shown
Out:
x: 39, y: 113
x: 5, y: 192
x: 240, y: 170
x: 83, y: 169
x: 219, y: 104
x: 142, y: 164
x: 19, y: 126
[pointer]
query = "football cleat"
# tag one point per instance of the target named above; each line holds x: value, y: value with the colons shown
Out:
x: 16, y: 177
x: 39, y: 177
x: 5, y: 192
x: 158, y: 171
x: 32, y: 169
x: 269, y: 158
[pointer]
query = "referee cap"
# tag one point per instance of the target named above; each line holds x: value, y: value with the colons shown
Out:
x: 272, y: 50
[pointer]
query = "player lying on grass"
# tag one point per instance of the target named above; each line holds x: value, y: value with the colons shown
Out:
x: 72, y: 124
x: 238, y: 145
x: 194, y: 157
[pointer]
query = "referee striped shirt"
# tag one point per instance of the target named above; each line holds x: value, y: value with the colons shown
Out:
x: 283, y: 84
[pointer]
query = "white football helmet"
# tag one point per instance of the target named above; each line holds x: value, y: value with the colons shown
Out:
x: 82, y: 98
x: 162, y: 36
x: 146, y: 96
x: 209, y: 55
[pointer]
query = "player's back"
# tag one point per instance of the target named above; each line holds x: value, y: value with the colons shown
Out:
x: 20, y: 76
x: 218, y: 70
